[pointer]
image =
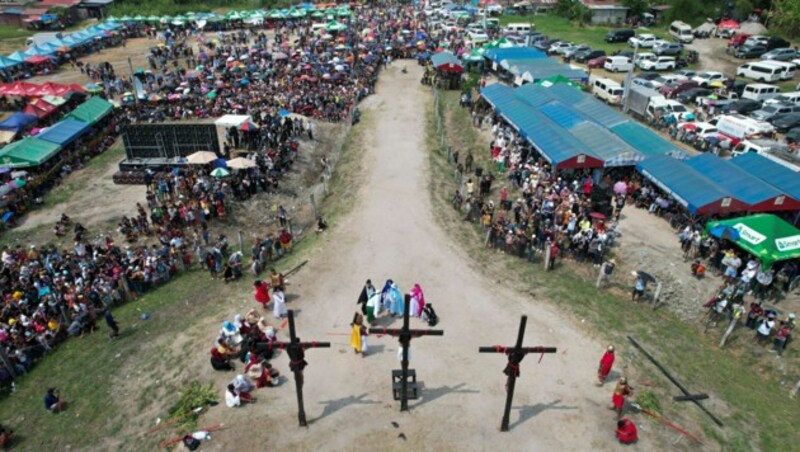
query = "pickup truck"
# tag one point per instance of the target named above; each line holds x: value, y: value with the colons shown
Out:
x: 719, y: 100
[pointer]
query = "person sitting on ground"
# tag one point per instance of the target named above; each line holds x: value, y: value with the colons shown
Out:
x: 264, y: 375
x: 243, y: 387
x: 626, y: 431
x: 698, y: 269
x: 52, y: 402
x: 221, y: 356
x: 5, y: 436
x: 321, y: 225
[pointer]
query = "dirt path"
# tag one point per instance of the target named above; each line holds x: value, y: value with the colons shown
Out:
x: 392, y: 234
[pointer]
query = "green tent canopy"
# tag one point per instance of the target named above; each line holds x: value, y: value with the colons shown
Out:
x: 27, y: 152
x: 550, y: 81
x: 91, y: 111
x: 335, y: 26
x: 765, y: 236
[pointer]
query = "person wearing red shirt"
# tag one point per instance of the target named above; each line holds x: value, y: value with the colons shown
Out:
x: 626, y: 431
x: 606, y: 362
x: 262, y: 293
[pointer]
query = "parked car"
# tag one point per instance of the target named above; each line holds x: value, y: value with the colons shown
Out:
x: 644, y: 40
x: 560, y: 47
x: 782, y: 54
x: 737, y: 40
x: 756, y: 40
x: 742, y: 106
x: 663, y: 79
x: 736, y: 86
x: 649, y: 75
x: 597, y: 63
x: 746, y: 52
x: 583, y: 57
x: 571, y: 51
x: 767, y: 112
x: 545, y: 44
x: 618, y: 64
x: 689, y: 96
x: 675, y: 87
x: 707, y: 77
x: 623, y: 53
x: 669, y: 48
x: 619, y: 35
x: 686, y: 73
x: 786, y: 121
x: 776, y: 42
x: 644, y: 82
x: 793, y: 136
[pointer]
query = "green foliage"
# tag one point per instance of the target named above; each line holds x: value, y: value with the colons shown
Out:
x: 194, y: 395
x: 649, y: 401
x: 172, y: 7
x: 743, y: 8
x: 471, y: 80
x: 637, y: 7
x: 573, y: 10
x: 11, y: 31
x: 785, y: 17
x: 694, y: 12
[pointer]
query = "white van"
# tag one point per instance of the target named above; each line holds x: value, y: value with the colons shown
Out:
x: 760, y: 71
x: 788, y: 68
x: 607, y: 89
x: 760, y: 92
x: 792, y: 98
x: 520, y: 27
x: 618, y: 64
x: 738, y: 127
x: 681, y: 31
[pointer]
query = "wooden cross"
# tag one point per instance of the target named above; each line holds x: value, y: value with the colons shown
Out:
x: 404, y: 335
x: 515, y: 355
x: 296, y: 351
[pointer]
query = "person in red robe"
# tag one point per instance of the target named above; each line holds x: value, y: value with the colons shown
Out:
x: 606, y: 362
x: 621, y: 391
x: 626, y: 431
x: 262, y: 293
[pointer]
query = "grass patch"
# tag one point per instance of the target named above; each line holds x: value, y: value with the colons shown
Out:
x: 194, y: 395
x: 593, y: 35
x: 348, y: 174
x: 78, y: 181
x: 12, y: 32
x: 747, y: 388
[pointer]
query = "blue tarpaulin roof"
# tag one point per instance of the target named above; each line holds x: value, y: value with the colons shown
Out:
x: 17, y: 121
x: 740, y: 183
x: 497, y: 55
x: 6, y: 62
x: 17, y: 56
x: 771, y: 172
x: 445, y: 58
x: 64, y: 132
x: 645, y: 140
x: 691, y: 189
x: 596, y: 129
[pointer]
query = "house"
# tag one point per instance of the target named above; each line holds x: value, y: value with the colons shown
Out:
x: 13, y: 17
x: 606, y: 11
x: 96, y: 8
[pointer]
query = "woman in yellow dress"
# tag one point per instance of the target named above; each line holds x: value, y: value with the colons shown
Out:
x: 355, y: 335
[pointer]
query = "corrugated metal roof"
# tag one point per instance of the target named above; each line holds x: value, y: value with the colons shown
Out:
x: 771, y: 172
x: 740, y: 183
x: 605, y: 144
x: 561, y: 114
x: 443, y: 58
x: 599, y: 112
x: 645, y: 140
x: 499, y: 54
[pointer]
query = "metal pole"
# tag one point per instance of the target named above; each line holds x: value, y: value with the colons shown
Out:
x: 628, y: 80
x: 600, y: 275
x: 512, y: 378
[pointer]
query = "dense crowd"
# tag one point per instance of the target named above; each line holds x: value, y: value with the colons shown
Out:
x: 53, y: 293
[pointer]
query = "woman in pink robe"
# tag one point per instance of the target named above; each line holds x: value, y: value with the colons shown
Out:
x: 417, y: 301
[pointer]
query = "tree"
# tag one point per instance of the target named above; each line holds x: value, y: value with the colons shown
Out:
x: 785, y: 16
x: 636, y: 7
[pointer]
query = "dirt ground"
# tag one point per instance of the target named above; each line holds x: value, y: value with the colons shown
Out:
x: 391, y: 234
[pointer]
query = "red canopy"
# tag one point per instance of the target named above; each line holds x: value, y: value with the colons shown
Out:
x: 56, y: 89
x: 22, y: 89
x: 39, y: 108
x: 37, y: 59
x: 729, y: 23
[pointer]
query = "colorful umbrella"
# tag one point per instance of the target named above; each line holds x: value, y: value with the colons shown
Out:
x: 220, y: 172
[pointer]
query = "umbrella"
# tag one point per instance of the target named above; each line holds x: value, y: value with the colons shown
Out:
x: 241, y: 163
x: 280, y: 56
x: 201, y: 158
x: 597, y: 215
x: 220, y: 172
x: 724, y: 231
x: 647, y: 277
x: 283, y: 112
x: 212, y: 95
x: 621, y: 188
x: 17, y: 183
x: 248, y: 126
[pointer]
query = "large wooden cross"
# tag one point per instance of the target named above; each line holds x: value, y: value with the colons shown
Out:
x: 296, y: 351
x: 515, y: 355
x: 404, y: 335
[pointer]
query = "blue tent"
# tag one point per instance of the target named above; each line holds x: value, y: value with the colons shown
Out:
x: 6, y: 62
x: 509, y: 53
x: 17, y: 121
x: 37, y: 50
x: 645, y: 140
x: 761, y: 196
x: 17, y: 56
x: 64, y: 132
x: 691, y: 189
x: 775, y: 174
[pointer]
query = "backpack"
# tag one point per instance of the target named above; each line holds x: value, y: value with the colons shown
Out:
x: 191, y: 442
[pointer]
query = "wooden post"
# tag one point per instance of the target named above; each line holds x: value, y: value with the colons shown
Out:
x: 546, y: 257
x: 600, y: 275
